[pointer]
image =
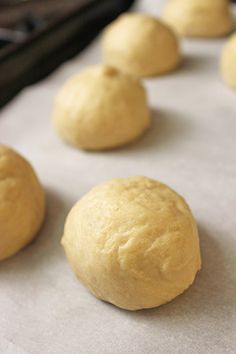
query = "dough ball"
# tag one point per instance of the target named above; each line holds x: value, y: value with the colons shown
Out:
x: 199, y: 18
x: 101, y: 108
x: 140, y: 45
x: 228, y: 62
x: 133, y: 242
x: 21, y: 203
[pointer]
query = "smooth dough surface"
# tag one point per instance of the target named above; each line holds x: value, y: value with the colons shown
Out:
x: 133, y: 242
x: 22, y: 202
x: 101, y: 108
x: 199, y: 18
x: 140, y: 45
x: 228, y: 62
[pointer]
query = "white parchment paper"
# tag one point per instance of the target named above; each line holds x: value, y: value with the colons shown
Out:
x: 192, y: 147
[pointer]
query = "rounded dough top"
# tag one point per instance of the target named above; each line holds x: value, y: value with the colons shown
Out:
x: 101, y: 108
x: 199, y: 18
x: 22, y: 202
x: 133, y: 242
x: 228, y: 62
x: 140, y: 45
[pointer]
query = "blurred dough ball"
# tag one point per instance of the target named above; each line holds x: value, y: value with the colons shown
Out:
x: 228, y: 62
x: 22, y: 202
x: 101, y: 108
x: 140, y: 45
x: 199, y: 18
x: 133, y: 242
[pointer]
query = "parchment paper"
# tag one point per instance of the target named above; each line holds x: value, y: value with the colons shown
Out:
x: 191, y: 146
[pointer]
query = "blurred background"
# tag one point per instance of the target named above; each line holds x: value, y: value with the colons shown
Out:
x: 36, y: 36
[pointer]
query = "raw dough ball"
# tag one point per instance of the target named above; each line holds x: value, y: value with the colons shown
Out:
x: 101, y: 108
x: 141, y: 45
x: 199, y: 18
x: 133, y: 242
x: 228, y: 62
x: 21, y: 203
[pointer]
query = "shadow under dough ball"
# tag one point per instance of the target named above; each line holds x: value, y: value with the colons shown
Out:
x: 141, y: 45
x: 101, y: 108
x: 199, y: 18
x: 228, y: 62
x: 22, y: 203
x: 133, y: 242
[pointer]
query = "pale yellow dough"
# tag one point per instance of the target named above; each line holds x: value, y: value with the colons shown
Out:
x: 228, y: 62
x: 133, y: 242
x: 101, y: 108
x: 199, y: 18
x: 140, y: 45
x: 22, y: 202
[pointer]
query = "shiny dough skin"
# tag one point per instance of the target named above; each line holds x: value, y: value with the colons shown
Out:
x: 199, y: 18
x: 141, y: 45
x: 101, y: 108
x: 22, y: 203
x: 133, y: 242
x: 228, y: 62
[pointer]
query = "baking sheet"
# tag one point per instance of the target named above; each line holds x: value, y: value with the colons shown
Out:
x: 192, y: 147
